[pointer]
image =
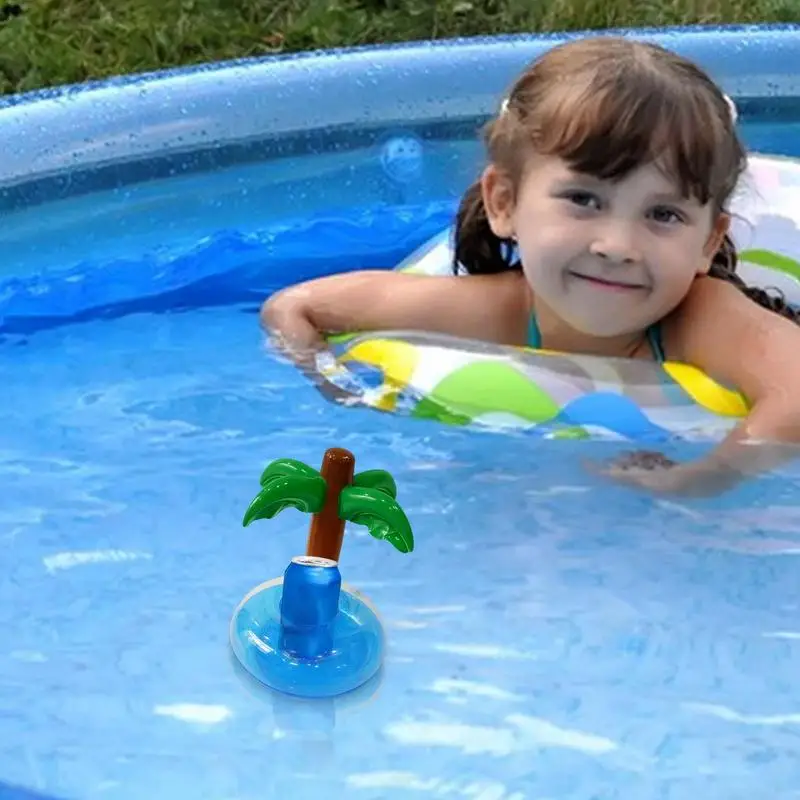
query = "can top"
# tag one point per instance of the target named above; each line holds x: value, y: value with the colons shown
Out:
x: 314, y: 561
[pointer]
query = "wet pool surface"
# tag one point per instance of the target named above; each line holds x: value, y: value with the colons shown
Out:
x: 550, y: 636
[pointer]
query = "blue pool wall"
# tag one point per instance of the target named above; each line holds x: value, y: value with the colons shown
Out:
x: 72, y: 127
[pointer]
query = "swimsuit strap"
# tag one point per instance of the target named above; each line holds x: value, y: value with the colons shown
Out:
x: 534, y: 336
x: 656, y: 342
x: 654, y: 338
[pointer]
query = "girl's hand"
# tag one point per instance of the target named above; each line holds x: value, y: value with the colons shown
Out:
x: 654, y: 471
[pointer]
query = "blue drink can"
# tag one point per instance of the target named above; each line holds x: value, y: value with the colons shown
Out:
x: 309, y: 605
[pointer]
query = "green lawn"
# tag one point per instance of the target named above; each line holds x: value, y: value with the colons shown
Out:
x: 65, y: 41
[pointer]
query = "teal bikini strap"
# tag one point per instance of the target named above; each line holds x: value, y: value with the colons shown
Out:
x: 534, y: 336
x: 656, y: 343
x: 653, y: 337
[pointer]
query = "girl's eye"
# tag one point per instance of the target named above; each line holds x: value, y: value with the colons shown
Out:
x: 666, y: 216
x: 582, y: 199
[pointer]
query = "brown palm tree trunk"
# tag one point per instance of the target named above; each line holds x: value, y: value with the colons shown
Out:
x: 327, y: 530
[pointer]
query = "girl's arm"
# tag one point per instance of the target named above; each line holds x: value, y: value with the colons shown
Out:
x: 739, y: 343
x: 478, y: 307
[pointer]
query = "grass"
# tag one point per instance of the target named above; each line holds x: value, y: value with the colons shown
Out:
x: 67, y: 41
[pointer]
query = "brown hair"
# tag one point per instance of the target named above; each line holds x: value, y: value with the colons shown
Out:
x: 607, y: 105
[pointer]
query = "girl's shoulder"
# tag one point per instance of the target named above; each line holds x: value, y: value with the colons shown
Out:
x: 723, y: 332
x: 703, y: 313
x: 496, y: 306
x: 712, y: 308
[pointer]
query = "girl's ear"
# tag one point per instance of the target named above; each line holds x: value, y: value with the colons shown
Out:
x: 498, y: 200
x: 715, y: 239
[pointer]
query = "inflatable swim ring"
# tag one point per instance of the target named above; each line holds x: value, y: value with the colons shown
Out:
x: 460, y: 382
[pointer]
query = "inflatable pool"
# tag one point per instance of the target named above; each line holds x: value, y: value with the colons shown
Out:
x: 564, y: 395
x: 550, y: 634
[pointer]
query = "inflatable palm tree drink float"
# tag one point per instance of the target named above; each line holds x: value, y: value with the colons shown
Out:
x: 305, y: 634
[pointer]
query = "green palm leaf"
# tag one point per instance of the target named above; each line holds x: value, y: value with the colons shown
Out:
x: 379, y: 512
x: 285, y: 467
x: 376, y: 479
x: 287, y: 483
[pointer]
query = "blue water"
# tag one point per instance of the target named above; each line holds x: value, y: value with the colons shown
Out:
x: 551, y: 636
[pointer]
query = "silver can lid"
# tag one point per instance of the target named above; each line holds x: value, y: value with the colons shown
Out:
x: 314, y: 561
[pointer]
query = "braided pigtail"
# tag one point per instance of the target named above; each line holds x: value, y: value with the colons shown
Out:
x: 477, y: 248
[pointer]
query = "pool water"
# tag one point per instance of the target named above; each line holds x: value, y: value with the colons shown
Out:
x: 552, y: 635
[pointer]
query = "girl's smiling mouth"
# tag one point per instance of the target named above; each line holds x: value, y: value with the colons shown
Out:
x: 605, y: 283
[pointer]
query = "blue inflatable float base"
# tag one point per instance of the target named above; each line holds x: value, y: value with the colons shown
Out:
x: 357, y: 655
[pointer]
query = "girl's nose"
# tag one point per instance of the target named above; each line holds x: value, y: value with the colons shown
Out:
x: 616, y: 243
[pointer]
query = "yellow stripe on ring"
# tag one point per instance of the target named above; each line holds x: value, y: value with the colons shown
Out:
x: 397, y: 359
x: 705, y: 391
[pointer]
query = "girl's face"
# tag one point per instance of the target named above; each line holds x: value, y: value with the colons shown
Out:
x: 608, y: 258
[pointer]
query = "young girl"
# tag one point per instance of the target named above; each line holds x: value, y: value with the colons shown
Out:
x: 599, y: 226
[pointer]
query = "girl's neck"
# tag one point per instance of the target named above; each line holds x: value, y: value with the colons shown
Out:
x: 556, y: 334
